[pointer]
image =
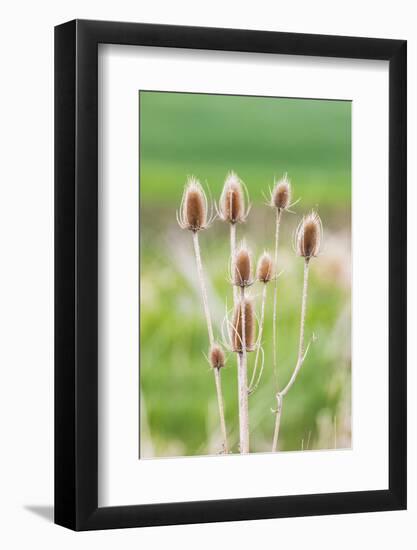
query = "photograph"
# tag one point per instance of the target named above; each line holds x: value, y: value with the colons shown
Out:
x: 245, y: 274
x: 208, y: 272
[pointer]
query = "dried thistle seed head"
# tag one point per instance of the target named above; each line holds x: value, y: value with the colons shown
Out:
x: 242, y: 267
x: 216, y: 356
x: 232, y: 200
x: 308, y: 236
x: 281, y: 194
x: 265, y: 270
x: 193, y: 213
x: 237, y: 335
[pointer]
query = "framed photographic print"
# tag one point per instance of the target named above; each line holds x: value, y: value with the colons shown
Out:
x: 230, y: 248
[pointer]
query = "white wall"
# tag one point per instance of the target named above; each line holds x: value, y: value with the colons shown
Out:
x: 26, y: 270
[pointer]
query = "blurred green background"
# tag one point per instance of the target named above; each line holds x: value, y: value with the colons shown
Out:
x: 260, y: 139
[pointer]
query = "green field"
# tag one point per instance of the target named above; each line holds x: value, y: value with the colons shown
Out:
x: 259, y: 138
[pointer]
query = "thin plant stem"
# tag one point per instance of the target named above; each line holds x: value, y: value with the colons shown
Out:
x: 274, y: 318
x: 200, y: 271
x: 301, y: 354
x: 243, y: 383
x: 240, y: 367
x: 232, y: 254
x: 300, y: 359
x: 277, y: 423
x: 206, y: 308
x: 252, y: 387
x: 220, y: 402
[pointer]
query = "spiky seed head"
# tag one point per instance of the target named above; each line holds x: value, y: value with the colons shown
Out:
x: 265, y: 269
x: 308, y: 236
x: 216, y: 356
x: 193, y: 214
x: 237, y: 335
x: 242, y: 270
x: 232, y: 200
x: 281, y: 194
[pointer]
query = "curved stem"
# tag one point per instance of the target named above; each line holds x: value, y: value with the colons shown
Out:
x: 206, y: 308
x: 261, y: 326
x: 200, y: 271
x: 300, y: 359
x: 301, y: 354
x: 274, y: 318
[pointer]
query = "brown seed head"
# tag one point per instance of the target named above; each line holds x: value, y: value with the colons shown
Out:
x: 242, y: 271
x: 237, y: 336
x: 265, y: 270
x: 308, y: 236
x: 232, y: 200
x: 217, y: 359
x: 281, y: 194
x: 193, y: 215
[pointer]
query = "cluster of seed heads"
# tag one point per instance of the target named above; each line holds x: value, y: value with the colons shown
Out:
x: 195, y: 214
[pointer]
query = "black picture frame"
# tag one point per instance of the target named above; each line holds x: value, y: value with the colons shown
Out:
x: 76, y: 272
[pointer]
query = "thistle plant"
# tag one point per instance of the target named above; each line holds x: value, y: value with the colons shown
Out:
x: 244, y: 329
x: 194, y: 215
x: 307, y: 242
x: 243, y: 336
x: 232, y: 210
x: 280, y: 199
